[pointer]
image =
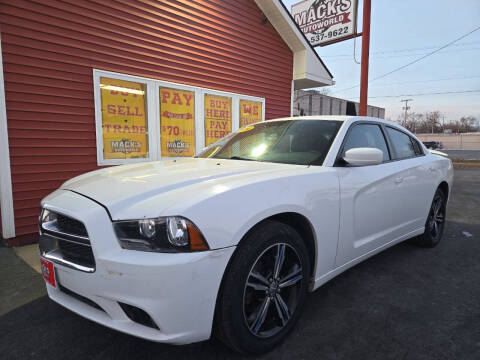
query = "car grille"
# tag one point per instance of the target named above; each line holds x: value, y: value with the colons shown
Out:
x: 75, y: 252
x: 66, y: 239
x: 71, y: 226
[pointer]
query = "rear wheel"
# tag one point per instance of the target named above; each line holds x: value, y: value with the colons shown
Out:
x: 435, y: 222
x: 264, y: 289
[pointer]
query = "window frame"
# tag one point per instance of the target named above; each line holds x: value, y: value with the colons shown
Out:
x: 151, y: 111
x: 411, y: 140
x: 153, y: 114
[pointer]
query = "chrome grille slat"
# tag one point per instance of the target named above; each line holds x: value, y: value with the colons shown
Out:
x: 66, y: 237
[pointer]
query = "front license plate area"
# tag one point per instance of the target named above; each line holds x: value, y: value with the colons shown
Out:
x: 48, y: 272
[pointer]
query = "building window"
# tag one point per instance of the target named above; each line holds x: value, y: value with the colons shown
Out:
x: 124, y: 119
x: 177, y: 122
x: 140, y: 119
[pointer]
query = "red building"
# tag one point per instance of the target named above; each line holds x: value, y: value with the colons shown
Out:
x: 85, y: 84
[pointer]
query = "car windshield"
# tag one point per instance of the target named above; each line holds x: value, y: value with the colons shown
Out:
x: 301, y: 142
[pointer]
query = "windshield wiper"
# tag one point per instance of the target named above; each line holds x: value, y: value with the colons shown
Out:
x: 241, y: 158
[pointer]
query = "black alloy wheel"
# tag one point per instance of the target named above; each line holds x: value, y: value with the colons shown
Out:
x: 264, y: 289
x: 435, y: 223
x: 436, y: 217
x: 272, y: 290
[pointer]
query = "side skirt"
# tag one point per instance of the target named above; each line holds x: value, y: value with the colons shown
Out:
x: 332, y: 273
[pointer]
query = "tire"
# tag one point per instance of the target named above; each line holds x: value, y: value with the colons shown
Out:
x: 435, y: 223
x: 239, y: 323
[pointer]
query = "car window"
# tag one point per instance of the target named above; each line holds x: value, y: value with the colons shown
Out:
x: 401, y: 143
x: 417, y: 147
x: 369, y: 136
x: 301, y: 142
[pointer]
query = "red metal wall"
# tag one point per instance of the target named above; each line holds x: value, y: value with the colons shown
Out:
x: 50, y: 48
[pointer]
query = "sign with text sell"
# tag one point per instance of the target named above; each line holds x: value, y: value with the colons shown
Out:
x: 324, y: 21
x: 124, y: 119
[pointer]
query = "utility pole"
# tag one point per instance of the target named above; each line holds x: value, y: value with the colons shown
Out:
x: 365, y: 55
x: 406, y: 108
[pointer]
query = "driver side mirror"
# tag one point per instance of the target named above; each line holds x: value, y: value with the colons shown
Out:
x: 363, y: 156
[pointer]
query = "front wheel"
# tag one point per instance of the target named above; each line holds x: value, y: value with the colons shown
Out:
x: 435, y: 222
x: 264, y: 289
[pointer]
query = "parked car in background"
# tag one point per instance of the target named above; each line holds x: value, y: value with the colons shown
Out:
x: 231, y: 241
x: 433, y: 145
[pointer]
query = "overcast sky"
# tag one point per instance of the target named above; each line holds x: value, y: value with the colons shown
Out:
x: 402, y: 31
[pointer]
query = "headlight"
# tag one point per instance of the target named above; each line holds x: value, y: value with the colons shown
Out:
x: 165, y: 234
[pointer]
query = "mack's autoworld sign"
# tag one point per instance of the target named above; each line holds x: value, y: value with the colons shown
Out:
x: 324, y: 21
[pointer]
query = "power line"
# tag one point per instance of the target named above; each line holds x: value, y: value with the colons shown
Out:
x: 421, y: 94
x: 409, y: 55
x: 402, y: 50
x: 414, y: 61
x: 430, y: 80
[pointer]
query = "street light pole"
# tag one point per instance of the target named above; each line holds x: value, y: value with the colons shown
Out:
x: 365, y: 55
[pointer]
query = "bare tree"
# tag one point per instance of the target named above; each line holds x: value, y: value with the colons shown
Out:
x: 433, y: 120
x: 467, y: 123
x: 414, y: 122
x: 464, y: 124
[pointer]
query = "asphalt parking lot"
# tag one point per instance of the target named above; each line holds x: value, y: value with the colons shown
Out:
x: 405, y: 303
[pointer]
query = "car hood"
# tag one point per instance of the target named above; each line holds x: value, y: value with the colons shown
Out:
x: 120, y: 187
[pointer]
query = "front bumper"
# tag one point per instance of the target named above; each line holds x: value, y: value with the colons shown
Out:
x: 177, y: 291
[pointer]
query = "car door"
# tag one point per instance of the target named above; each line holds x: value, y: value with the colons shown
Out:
x: 416, y: 175
x: 374, y: 199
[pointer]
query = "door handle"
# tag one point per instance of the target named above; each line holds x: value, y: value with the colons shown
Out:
x: 398, y: 180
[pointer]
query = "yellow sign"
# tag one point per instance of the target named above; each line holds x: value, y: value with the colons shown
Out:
x: 124, y: 119
x: 177, y: 122
x: 250, y: 112
x: 218, y: 117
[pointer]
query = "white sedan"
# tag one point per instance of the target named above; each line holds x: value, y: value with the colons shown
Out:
x: 230, y: 242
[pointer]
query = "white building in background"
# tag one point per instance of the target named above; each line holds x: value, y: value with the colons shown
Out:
x: 312, y: 102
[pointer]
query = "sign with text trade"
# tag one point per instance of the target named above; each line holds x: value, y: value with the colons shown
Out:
x: 124, y: 119
x: 177, y: 122
x: 325, y: 20
x: 218, y: 117
x: 250, y: 112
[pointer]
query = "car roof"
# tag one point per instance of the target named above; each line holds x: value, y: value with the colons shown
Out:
x: 346, y: 120
x: 342, y: 118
